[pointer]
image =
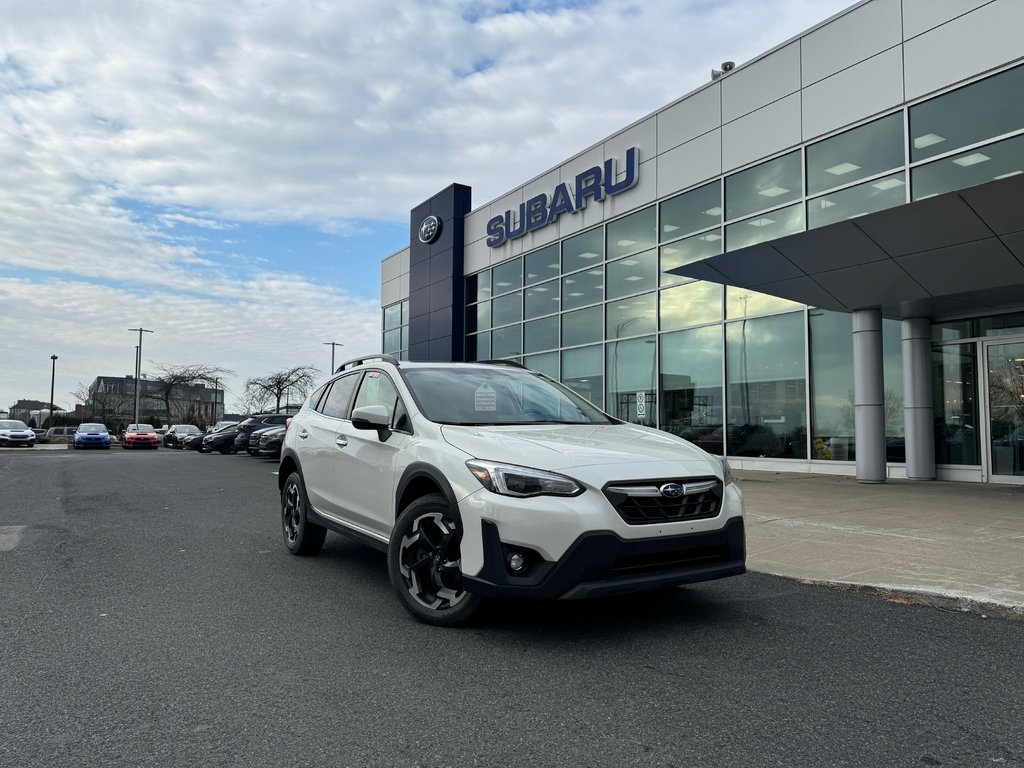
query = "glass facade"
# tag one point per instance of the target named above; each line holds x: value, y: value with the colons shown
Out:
x: 396, y: 330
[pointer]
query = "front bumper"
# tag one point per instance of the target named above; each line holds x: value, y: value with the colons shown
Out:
x: 92, y: 442
x: 602, y: 563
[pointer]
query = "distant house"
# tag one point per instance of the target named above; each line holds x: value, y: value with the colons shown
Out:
x: 112, y: 402
x: 23, y: 410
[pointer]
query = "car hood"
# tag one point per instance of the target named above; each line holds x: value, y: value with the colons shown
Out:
x: 18, y: 432
x: 567, y: 446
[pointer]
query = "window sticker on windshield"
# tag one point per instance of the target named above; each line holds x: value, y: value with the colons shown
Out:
x: 373, y: 374
x: 485, y: 398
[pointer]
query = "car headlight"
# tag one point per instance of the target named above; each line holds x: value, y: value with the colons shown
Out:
x: 726, y: 472
x: 522, y: 482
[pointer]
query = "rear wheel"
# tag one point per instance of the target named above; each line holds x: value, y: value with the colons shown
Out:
x: 425, y: 564
x: 301, y: 537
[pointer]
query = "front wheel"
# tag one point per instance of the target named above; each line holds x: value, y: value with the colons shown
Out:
x: 301, y: 537
x: 425, y: 564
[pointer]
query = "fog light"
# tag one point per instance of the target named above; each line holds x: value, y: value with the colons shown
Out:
x: 516, y: 561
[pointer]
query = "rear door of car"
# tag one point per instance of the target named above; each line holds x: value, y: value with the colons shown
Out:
x: 317, y: 441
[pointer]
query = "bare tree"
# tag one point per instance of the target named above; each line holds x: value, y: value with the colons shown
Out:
x: 295, y: 381
x: 253, y: 400
x: 177, y: 380
x: 100, y: 405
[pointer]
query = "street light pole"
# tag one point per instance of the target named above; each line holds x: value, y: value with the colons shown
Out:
x: 53, y: 376
x: 138, y: 368
x: 333, y: 345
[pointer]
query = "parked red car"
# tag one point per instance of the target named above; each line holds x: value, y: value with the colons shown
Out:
x: 140, y: 436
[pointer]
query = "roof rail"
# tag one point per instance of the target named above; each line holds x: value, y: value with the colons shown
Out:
x: 365, y: 359
x: 511, y: 363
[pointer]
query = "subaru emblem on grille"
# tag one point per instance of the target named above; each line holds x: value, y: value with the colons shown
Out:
x: 671, y: 490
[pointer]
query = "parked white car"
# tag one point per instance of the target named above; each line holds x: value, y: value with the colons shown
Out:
x: 15, y: 434
x: 485, y: 479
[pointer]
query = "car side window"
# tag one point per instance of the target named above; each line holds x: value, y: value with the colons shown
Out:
x: 378, y: 389
x: 336, y: 402
x: 314, y: 399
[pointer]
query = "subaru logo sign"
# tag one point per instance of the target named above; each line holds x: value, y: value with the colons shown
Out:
x: 671, y: 490
x: 430, y: 229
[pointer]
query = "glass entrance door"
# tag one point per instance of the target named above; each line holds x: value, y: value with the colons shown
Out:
x: 1005, y: 391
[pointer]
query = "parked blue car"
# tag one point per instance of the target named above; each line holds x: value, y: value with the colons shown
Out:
x: 91, y: 436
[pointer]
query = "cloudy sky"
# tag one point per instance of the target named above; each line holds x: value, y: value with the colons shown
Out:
x: 230, y: 174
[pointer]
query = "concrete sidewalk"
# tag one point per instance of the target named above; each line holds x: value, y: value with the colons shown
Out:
x: 953, y: 544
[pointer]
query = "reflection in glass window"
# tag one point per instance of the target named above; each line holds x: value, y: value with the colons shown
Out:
x: 691, y: 386
x: 546, y: 363
x: 831, y: 347
x: 688, y: 251
x: 507, y: 277
x: 632, y: 387
x: 982, y: 110
x: 631, y: 317
x: 856, y: 154
x: 955, y: 398
x: 507, y: 309
x: 541, y: 299
x: 405, y: 339
x: 690, y: 304
x: 392, y: 341
x: 541, y: 265
x: 766, y: 396
x: 633, y: 274
x: 691, y: 212
x: 856, y: 201
x: 405, y: 312
x: 583, y: 372
x: 478, y: 317
x: 773, y: 183
x: 507, y: 342
x: 742, y: 302
x: 767, y: 226
x: 392, y: 317
x: 977, y: 166
x: 540, y: 334
x: 892, y: 373
x: 583, y: 250
x: 632, y: 233
x: 582, y: 288
x: 478, y: 347
x: 584, y: 326
x: 1011, y: 323
x: 478, y: 286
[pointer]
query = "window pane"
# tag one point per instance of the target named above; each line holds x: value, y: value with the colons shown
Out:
x: 478, y: 317
x: 768, y: 226
x: 856, y: 154
x: 892, y: 372
x: 632, y: 317
x: 377, y: 389
x: 583, y: 250
x: 976, y: 112
x: 582, y: 288
x: 688, y: 251
x: 542, y: 299
x: 690, y: 304
x: 772, y: 183
x: 632, y: 391
x: 691, y: 386
x: 767, y: 407
x: 995, y: 161
x: 546, y: 364
x: 955, y: 398
x: 478, y: 347
x: 583, y: 372
x: 1001, y: 325
x: 856, y: 201
x: 405, y: 337
x: 507, y: 276
x: 405, y: 312
x: 541, y: 334
x: 507, y: 309
x: 831, y: 342
x: 392, y: 317
x: 478, y: 286
x: 337, y: 401
x: 585, y: 326
x: 693, y: 211
x: 953, y: 331
x: 392, y: 341
x: 740, y: 302
x: 541, y: 265
x: 507, y: 342
x: 633, y: 274
x: 632, y: 233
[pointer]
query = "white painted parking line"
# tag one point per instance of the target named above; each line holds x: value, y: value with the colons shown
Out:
x: 10, y: 536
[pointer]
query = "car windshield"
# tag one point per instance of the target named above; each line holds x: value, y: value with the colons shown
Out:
x: 142, y: 428
x: 92, y: 428
x: 485, y: 396
x: 185, y: 429
x: 13, y: 424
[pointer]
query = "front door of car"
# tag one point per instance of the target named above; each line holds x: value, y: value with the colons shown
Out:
x: 317, y: 439
x: 365, y: 480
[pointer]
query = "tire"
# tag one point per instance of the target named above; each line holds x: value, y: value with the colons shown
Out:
x: 225, y: 450
x: 424, y: 564
x: 301, y: 537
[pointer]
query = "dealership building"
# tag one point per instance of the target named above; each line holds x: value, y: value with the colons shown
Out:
x: 814, y: 262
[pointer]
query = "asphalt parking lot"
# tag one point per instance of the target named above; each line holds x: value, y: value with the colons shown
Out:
x: 150, y: 616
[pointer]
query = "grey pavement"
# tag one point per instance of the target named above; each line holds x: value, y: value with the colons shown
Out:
x: 958, y: 545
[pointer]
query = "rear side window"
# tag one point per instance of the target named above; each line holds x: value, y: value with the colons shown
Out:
x: 336, y: 402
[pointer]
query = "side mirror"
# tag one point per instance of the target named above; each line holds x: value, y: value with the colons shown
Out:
x: 371, y: 417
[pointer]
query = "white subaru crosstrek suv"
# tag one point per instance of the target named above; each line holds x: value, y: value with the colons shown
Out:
x: 489, y: 479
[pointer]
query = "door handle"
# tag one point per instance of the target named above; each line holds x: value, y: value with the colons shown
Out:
x: 341, y: 442
x: 303, y: 434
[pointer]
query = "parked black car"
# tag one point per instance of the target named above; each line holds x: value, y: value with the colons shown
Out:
x: 268, y: 443
x: 192, y: 442
x: 176, y: 433
x: 259, y: 421
x: 253, y: 446
x: 223, y: 441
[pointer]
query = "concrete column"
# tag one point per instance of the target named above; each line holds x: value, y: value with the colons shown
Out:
x: 918, y: 417
x: 869, y: 395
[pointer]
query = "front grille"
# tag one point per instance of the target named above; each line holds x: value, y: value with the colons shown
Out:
x: 643, y: 503
x: 633, y: 565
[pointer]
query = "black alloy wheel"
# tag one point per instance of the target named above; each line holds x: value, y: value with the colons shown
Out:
x: 301, y: 537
